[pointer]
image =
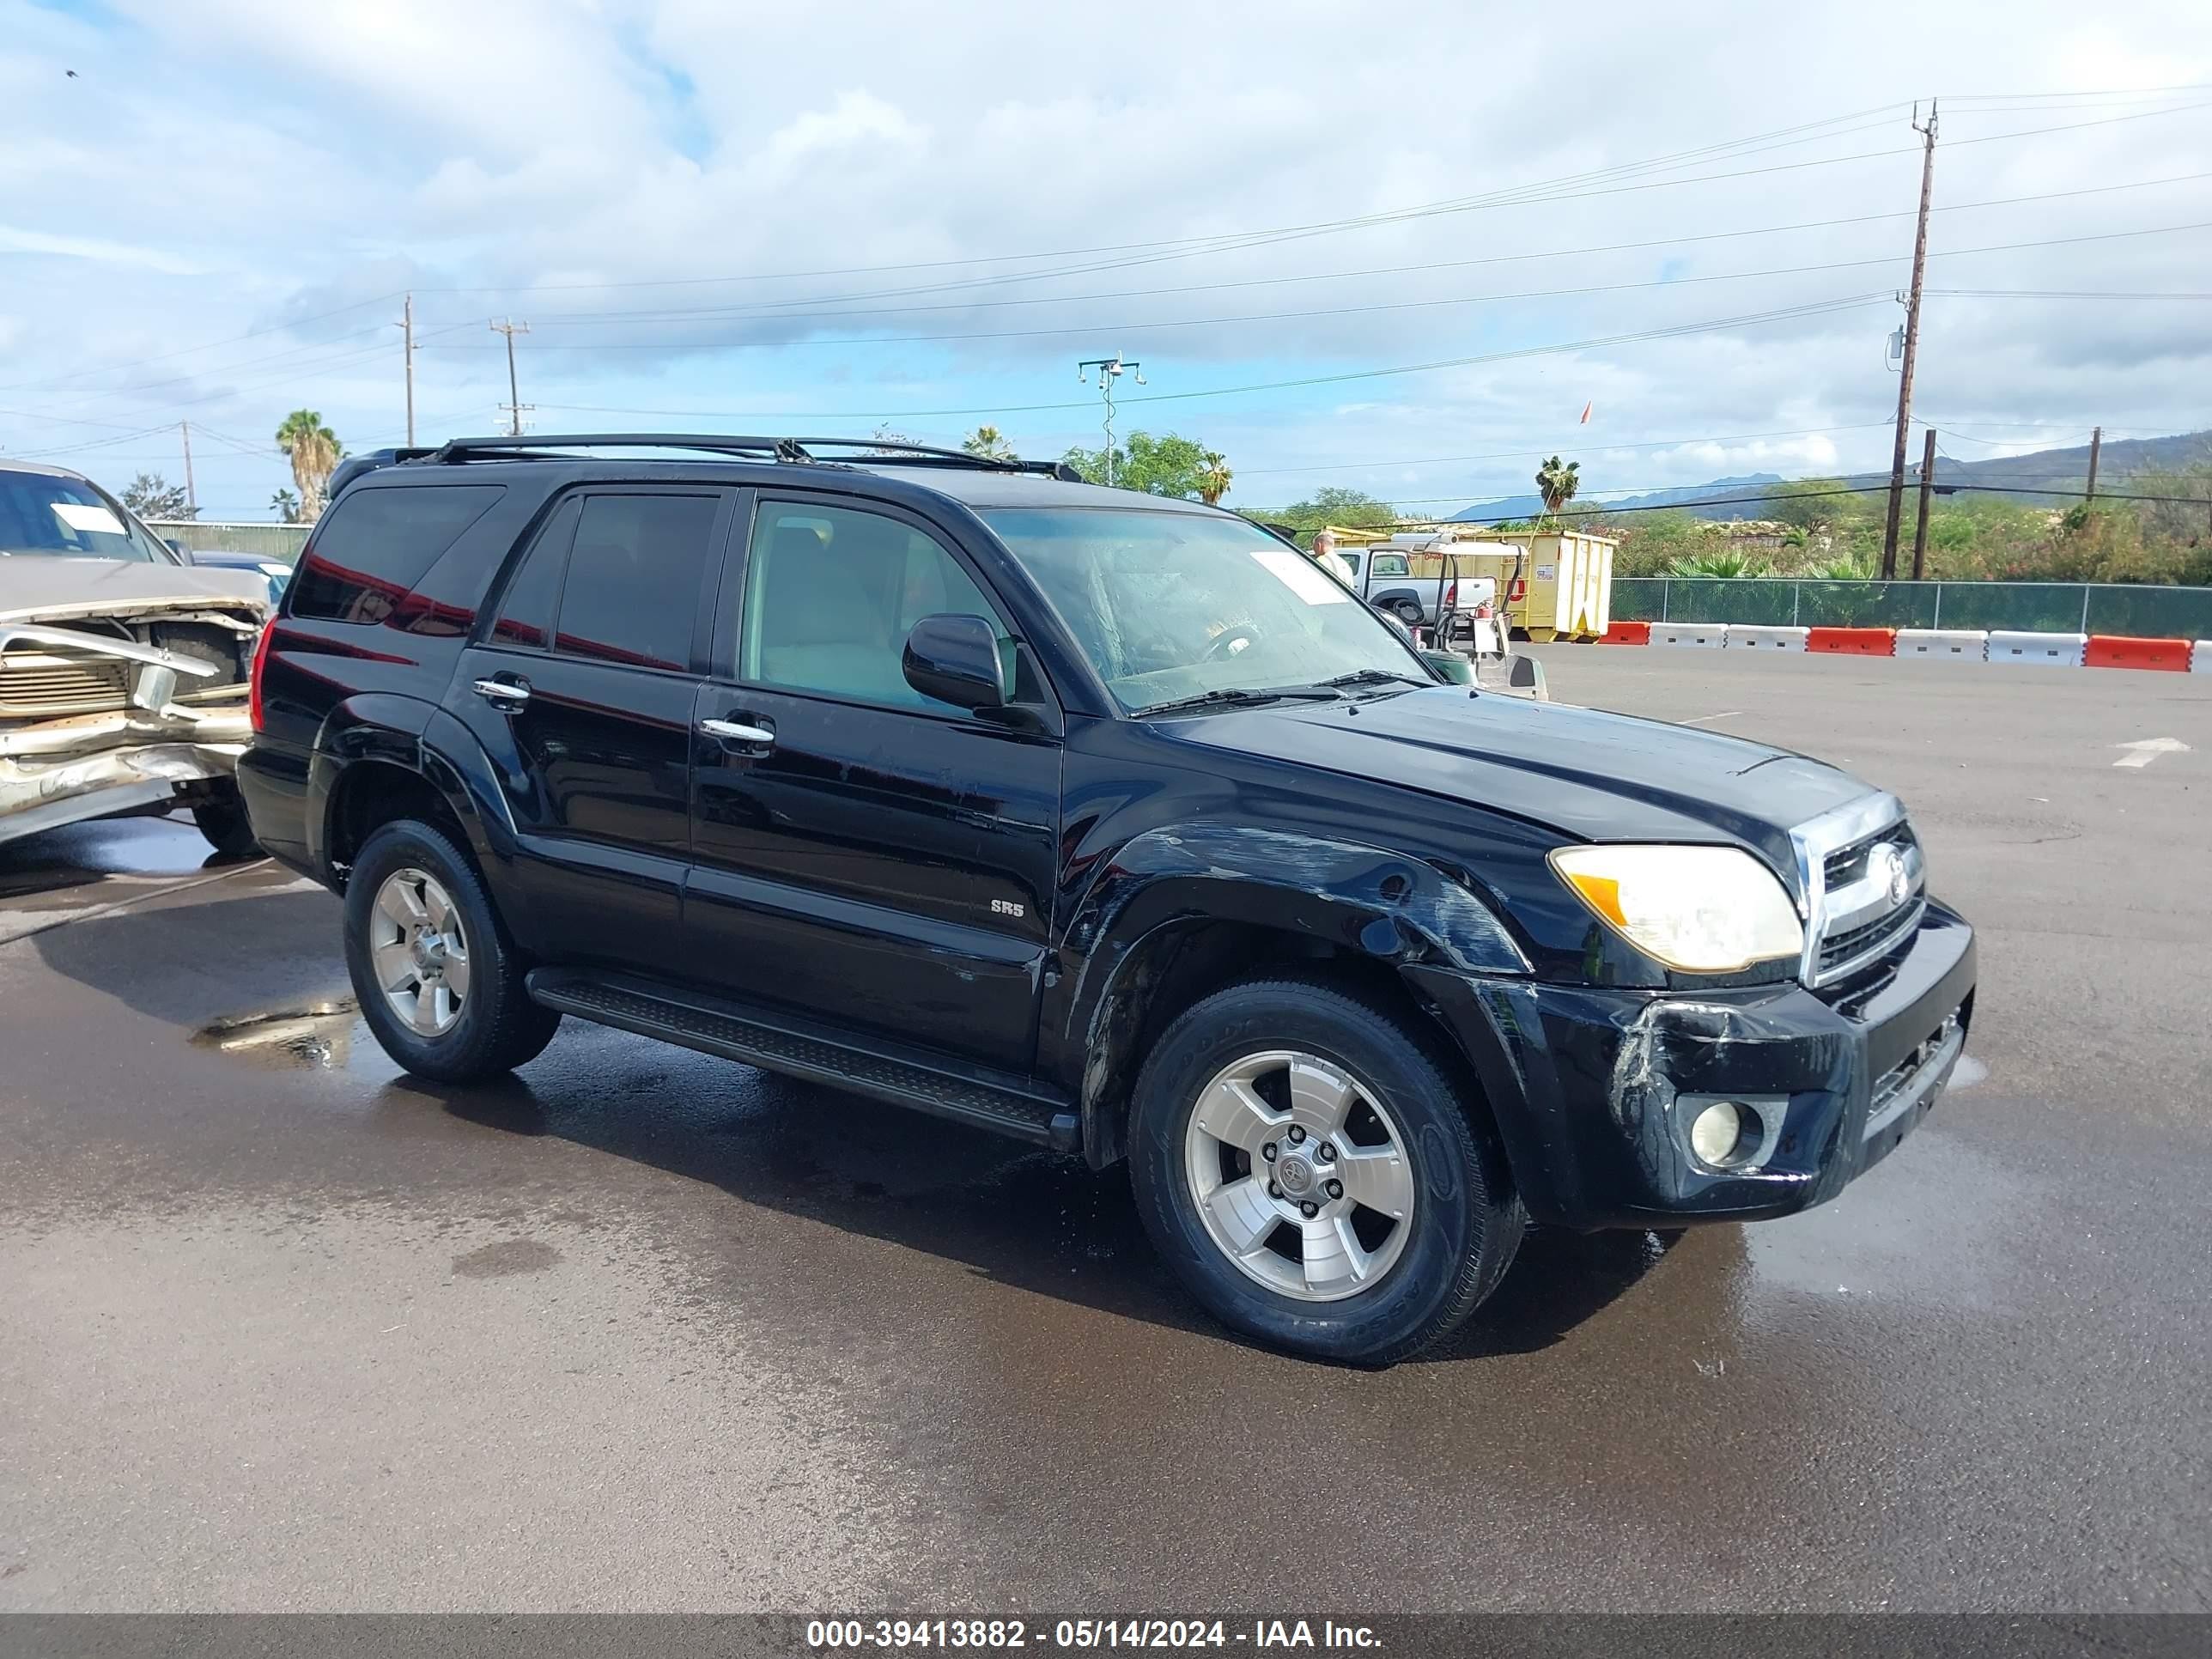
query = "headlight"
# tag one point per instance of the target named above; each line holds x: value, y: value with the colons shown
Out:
x: 1701, y: 909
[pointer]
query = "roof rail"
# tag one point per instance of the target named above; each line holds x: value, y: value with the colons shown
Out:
x: 796, y: 451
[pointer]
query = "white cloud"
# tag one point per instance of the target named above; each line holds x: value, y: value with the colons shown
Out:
x: 236, y: 166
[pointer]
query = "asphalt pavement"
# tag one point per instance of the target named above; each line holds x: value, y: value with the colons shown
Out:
x: 281, y: 1329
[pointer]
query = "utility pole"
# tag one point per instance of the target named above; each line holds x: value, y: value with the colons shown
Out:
x: 1912, y: 343
x: 1110, y: 369
x: 1927, y: 490
x: 191, y: 495
x: 2096, y: 443
x: 511, y: 328
x: 406, y: 326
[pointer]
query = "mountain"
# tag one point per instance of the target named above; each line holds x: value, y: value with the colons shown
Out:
x: 2044, y: 469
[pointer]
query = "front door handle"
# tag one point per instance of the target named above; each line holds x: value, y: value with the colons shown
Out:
x: 759, y: 736
x: 505, y: 694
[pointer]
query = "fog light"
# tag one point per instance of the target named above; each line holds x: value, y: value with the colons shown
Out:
x: 1716, y: 1132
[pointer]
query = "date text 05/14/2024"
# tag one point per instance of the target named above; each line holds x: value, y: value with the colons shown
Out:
x: 1261, y: 1636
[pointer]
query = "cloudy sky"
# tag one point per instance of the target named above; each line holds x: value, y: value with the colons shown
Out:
x: 1398, y: 247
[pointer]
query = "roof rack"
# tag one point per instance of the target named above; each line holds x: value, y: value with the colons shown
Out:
x: 789, y: 451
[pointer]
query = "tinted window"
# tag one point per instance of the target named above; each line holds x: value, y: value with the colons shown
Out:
x: 1389, y: 564
x: 525, y: 613
x: 376, y: 544
x: 832, y: 594
x: 633, y: 589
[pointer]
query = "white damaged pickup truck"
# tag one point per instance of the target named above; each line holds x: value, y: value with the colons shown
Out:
x: 123, y: 671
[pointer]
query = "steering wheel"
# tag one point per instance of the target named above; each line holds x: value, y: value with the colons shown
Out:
x: 1231, y: 639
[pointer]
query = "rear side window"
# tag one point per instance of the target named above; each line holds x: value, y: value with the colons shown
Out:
x: 526, y: 614
x: 377, y: 542
x: 632, y: 595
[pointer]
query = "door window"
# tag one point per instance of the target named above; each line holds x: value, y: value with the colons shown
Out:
x: 832, y: 594
x: 632, y: 595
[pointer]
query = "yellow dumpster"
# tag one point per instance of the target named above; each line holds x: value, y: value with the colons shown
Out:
x: 1569, y: 583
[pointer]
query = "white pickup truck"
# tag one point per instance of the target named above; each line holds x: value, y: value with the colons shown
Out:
x: 1416, y: 583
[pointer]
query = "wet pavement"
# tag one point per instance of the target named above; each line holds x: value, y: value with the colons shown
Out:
x: 642, y: 1329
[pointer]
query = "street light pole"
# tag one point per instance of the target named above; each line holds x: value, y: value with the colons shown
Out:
x: 1110, y: 369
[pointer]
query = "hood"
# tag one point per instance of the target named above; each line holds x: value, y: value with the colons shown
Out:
x: 37, y: 589
x: 1591, y: 775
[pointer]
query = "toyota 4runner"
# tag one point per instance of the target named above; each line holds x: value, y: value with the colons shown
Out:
x: 1107, y: 822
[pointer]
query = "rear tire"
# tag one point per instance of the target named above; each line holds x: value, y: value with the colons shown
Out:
x: 222, y: 820
x: 1291, y: 1046
x: 411, y: 887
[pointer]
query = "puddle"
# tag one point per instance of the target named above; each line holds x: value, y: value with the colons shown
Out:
x: 318, y: 1037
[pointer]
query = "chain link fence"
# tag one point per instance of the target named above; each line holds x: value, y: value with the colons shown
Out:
x: 2145, y: 612
x: 263, y: 541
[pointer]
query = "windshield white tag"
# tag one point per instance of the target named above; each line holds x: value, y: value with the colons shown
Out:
x: 1301, y: 576
x: 93, y: 520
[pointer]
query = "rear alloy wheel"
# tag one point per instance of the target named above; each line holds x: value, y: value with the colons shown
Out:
x: 420, y: 950
x: 1308, y: 1163
x: 438, y: 980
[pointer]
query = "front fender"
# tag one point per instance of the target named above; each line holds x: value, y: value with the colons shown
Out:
x: 1363, y: 900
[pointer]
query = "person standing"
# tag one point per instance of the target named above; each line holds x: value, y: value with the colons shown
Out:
x: 1324, y: 545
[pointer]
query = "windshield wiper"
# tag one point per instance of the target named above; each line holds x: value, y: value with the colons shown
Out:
x: 1375, y: 677
x: 1235, y: 698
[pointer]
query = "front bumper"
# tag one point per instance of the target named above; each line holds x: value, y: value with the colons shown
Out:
x: 1593, y: 1089
x: 63, y: 772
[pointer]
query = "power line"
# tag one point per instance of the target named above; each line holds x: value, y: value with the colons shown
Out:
x: 750, y: 310
x: 1580, y: 449
x: 1127, y: 326
x: 1846, y: 302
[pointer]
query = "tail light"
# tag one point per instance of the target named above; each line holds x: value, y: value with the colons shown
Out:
x: 1451, y: 597
x: 253, y: 705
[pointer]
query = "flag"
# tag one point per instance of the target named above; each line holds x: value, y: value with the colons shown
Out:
x: 1586, y: 410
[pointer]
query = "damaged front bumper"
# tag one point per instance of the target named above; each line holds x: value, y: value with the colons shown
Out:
x: 1594, y: 1089
x: 63, y: 771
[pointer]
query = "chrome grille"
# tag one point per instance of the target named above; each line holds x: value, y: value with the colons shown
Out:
x: 1865, y: 885
x: 36, y: 686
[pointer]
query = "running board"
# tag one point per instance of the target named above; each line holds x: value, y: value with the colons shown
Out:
x: 754, y: 1038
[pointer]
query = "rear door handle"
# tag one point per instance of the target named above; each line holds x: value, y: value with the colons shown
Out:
x: 733, y: 732
x: 505, y: 694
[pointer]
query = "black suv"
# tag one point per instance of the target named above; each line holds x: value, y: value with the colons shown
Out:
x: 1110, y: 822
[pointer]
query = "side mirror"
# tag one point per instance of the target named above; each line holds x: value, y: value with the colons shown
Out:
x: 176, y: 547
x: 955, y: 660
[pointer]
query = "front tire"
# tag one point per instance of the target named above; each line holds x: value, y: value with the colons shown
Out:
x: 436, y: 976
x: 223, y: 821
x: 1393, y: 1217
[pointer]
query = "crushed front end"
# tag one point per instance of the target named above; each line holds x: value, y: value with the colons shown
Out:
x: 1654, y: 1107
x: 115, y: 702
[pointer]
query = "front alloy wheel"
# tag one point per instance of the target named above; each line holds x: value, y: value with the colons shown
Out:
x: 1315, y: 1166
x: 1301, y: 1179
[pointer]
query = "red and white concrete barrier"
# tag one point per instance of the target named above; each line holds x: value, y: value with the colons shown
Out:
x: 1972, y: 644
x: 1965, y: 645
x: 2047, y: 650
x: 1751, y: 637
x: 1710, y: 636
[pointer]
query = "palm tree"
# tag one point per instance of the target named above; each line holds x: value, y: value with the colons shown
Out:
x: 315, y: 453
x: 989, y: 442
x: 1557, y: 482
x: 1213, y: 478
x: 286, y: 505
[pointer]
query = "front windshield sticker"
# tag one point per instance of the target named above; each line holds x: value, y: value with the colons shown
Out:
x: 91, y: 520
x: 1299, y: 574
